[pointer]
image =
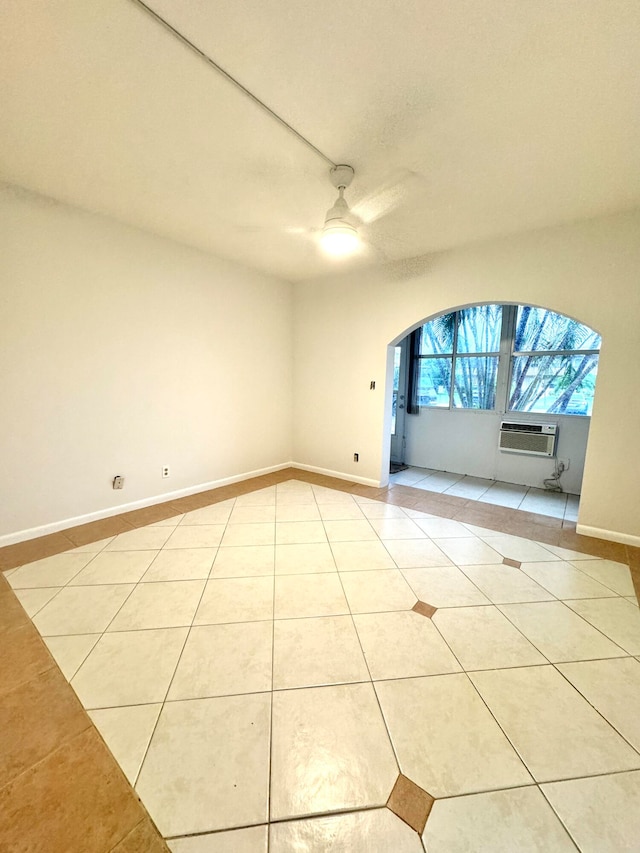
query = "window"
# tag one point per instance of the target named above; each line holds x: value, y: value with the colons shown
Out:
x: 506, y: 357
x: 554, y: 363
x: 458, y: 359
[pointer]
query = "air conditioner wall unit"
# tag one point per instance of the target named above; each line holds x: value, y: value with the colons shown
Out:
x: 529, y: 438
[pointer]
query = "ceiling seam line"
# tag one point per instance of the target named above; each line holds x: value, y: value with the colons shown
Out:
x: 230, y: 78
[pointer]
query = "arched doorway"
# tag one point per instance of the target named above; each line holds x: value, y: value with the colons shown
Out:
x: 463, y: 377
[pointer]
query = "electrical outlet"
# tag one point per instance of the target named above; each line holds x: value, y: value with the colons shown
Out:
x: 356, y: 457
x: 118, y: 482
x: 565, y: 462
x: 166, y: 472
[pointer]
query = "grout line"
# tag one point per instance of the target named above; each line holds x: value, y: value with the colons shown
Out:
x: 164, y: 701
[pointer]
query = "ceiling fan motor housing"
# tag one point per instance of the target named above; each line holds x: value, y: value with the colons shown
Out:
x: 341, y: 176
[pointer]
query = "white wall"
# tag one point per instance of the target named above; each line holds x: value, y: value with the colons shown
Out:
x: 344, y: 324
x: 122, y: 352
x: 466, y: 442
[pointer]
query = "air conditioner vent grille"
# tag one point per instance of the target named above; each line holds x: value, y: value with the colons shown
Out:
x: 532, y: 439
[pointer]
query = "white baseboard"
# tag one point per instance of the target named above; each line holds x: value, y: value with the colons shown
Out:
x: 339, y: 475
x: 63, y: 524
x: 609, y: 535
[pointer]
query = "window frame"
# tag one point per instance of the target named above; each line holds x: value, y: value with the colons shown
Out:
x: 454, y: 355
x: 506, y: 355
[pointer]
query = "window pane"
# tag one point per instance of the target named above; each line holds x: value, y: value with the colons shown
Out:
x: 553, y: 383
x: 437, y: 335
x: 475, y: 382
x: 434, y: 382
x: 479, y: 328
x: 396, y: 381
x: 540, y: 330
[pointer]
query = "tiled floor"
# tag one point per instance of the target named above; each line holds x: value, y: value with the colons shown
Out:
x: 529, y: 499
x: 263, y: 672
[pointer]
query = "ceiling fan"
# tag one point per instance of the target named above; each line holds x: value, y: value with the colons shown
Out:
x: 343, y: 228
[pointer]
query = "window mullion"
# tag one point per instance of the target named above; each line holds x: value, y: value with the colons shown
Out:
x: 453, y: 360
x: 507, y: 335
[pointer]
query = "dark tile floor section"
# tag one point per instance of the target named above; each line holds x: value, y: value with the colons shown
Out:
x: 410, y: 803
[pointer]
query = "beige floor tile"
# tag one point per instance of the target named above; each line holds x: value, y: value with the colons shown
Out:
x: 446, y: 740
x: 471, y: 488
x: 252, y: 514
x: 70, y: 652
x: 261, y: 497
x: 468, y: 551
x: 504, y: 494
x: 326, y: 496
x: 340, y: 511
x: 416, y: 553
x: 444, y: 586
x: 602, y: 813
x: 559, y: 633
x: 142, y: 539
x: 112, y: 567
x: 633, y: 600
x: 191, y: 782
x: 349, y: 531
x: 443, y: 528
x: 129, y: 668
x: 397, y: 528
x: 167, y: 604
x: 519, y: 819
x: 330, y: 751
x: 215, y: 514
x: 297, y: 512
x: 309, y: 595
x: 220, y: 660
x: 403, y: 644
x: 482, y: 638
x: 81, y: 609
x: 314, y: 652
x: 545, y: 503
x: 360, y: 556
x: 304, y: 559
x: 236, y: 600
x: 180, y: 564
x: 417, y: 513
x: 299, y: 532
x: 33, y: 600
x: 438, y: 482
x: 506, y: 585
x: 371, y: 831
x: 615, y: 617
x: 378, y: 590
x: 52, y: 571
x: 251, y: 840
x: 243, y: 561
x: 565, y: 581
x: 296, y: 497
x: 376, y: 509
x: 568, y: 554
x: 127, y: 732
x: 613, y: 688
x: 556, y: 732
x: 616, y: 576
x: 196, y: 536
x: 258, y: 533
x: 517, y: 548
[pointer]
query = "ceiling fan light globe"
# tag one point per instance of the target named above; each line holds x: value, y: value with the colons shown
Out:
x: 339, y: 240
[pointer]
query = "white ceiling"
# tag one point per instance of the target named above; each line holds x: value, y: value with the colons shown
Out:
x: 496, y: 116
